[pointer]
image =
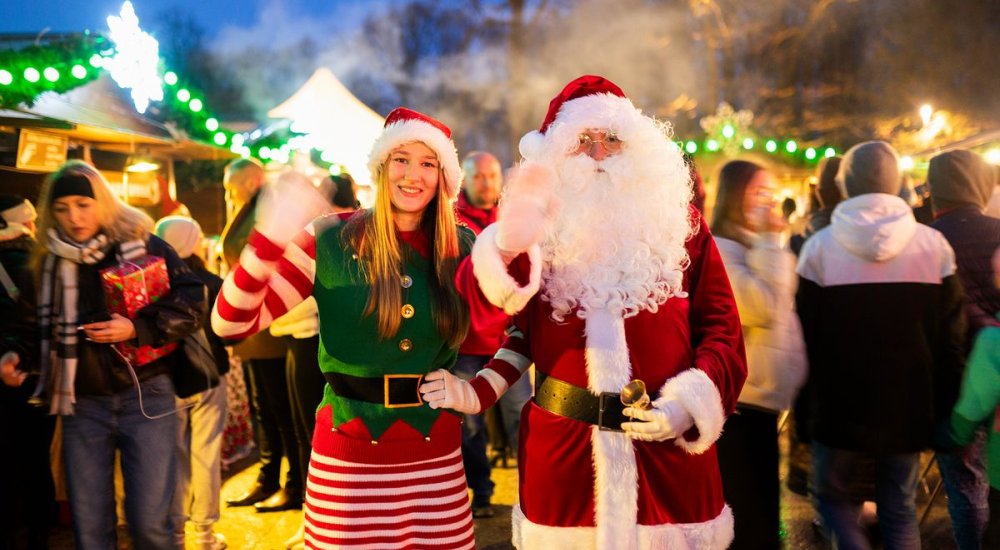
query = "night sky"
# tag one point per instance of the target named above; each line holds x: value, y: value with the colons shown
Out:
x: 216, y: 16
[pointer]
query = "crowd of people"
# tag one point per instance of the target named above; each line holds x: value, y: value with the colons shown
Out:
x: 664, y: 346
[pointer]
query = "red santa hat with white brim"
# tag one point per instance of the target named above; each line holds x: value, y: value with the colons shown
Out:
x: 404, y: 126
x: 587, y: 102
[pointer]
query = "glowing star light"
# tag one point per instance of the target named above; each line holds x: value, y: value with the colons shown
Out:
x: 136, y: 57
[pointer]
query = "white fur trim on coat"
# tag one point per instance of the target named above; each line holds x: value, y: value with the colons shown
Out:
x: 616, y: 474
x: 714, y: 534
x: 699, y: 396
x: 494, y: 279
x: 409, y: 131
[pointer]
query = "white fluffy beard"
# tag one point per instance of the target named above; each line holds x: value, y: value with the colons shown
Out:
x: 618, y: 243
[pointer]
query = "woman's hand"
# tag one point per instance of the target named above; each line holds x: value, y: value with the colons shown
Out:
x: 8, y: 370
x: 444, y: 390
x: 118, y: 329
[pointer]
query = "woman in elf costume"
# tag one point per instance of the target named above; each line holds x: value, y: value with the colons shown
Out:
x: 386, y: 469
x: 107, y: 404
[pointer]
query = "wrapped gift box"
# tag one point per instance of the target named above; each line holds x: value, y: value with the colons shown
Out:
x: 131, y: 286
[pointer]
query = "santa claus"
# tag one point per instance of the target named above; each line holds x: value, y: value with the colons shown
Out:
x: 612, y: 278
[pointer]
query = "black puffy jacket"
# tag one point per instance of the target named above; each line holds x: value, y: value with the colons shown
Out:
x: 100, y: 370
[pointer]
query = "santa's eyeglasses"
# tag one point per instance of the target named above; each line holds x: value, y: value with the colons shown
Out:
x: 610, y: 140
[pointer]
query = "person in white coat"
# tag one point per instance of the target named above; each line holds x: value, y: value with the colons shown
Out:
x: 747, y: 225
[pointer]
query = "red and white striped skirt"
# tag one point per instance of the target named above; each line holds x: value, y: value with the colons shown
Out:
x: 412, y: 505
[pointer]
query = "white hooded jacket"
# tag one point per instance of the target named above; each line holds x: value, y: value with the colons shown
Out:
x: 764, y: 282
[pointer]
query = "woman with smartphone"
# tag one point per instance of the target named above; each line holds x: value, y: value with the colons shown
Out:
x: 106, y: 403
x: 748, y: 227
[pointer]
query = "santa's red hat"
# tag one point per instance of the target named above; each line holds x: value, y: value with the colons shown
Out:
x: 404, y: 126
x: 587, y: 102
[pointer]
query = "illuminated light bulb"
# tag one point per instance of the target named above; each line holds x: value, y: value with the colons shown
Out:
x: 811, y: 153
x: 791, y: 146
x: 51, y: 74
x: 691, y: 147
x: 925, y: 113
x: 212, y: 125
x: 906, y: 163
x: 771, y: 146
x: 235, y: 147
x: 238, y: 139
x: 748, y: 144
x: 96, y: 61
x: 195, y: 105
x: 992, y: 156
x: 327, y: 156
x: 335, y: 170
x: 6, y: 78
x: 220, y: 138
x: 78, y: 71
x: 183, y: 95
x: 830, y: 152
x: 245, y: 152
x: 31, y: 74
x: 712, y: 145
x: 170, y: 78
x: 728, y: 131
x: 264, y: 153
x: 255, y: 134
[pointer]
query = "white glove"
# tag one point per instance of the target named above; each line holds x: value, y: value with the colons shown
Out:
x: 287, y: 206
x: 527, y: 207
x: 445, y: 390
x: 668, y: 421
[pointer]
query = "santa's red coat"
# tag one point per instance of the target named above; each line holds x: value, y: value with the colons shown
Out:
x: 585, y: 488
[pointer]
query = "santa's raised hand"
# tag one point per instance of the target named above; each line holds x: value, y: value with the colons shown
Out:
x: 527, y: 208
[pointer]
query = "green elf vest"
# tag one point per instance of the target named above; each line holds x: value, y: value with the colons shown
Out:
x: 349, y: 341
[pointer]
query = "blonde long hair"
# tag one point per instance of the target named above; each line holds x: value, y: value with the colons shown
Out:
x: 119, y: 221
x: 372, y: 235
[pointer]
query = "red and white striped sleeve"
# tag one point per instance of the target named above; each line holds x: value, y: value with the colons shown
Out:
x: 267, y: 282
x: 509, y: 363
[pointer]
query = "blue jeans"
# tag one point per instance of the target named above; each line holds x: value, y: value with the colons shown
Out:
x: 895, y: 491
x: 100, y: 426
x: 964, y: 474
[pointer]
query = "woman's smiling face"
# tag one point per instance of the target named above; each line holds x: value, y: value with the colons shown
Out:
x: 413, y: 174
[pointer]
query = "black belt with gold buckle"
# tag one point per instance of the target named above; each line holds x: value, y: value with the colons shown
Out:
x: 572, y: 401
x: 392, y: 391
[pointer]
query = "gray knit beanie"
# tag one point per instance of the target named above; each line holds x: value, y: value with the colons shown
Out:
x: 870, y: 167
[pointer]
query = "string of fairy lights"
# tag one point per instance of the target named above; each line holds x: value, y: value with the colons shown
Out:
x: 131, y: 57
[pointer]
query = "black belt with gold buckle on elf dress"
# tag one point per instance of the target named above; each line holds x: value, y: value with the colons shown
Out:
x: 572, y: 401
x: 392, y: 391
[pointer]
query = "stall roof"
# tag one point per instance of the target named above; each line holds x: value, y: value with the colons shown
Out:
x: 97, y: 113
x: 325, y: 108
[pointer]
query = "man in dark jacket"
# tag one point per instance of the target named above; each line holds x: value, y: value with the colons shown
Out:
x: 881, y: 314
x: 961, y: 184
x: 265, y: 357
x: 25, y: 430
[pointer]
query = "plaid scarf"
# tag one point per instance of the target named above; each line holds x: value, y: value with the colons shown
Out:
x: 57, y: 311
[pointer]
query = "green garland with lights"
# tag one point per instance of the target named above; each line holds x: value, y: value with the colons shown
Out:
x: 58, y: 66
x: 71, y: 62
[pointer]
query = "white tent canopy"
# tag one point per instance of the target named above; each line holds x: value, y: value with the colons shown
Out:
x: 337, y: 121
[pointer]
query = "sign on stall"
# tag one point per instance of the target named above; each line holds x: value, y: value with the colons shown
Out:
x: 41, y: 151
